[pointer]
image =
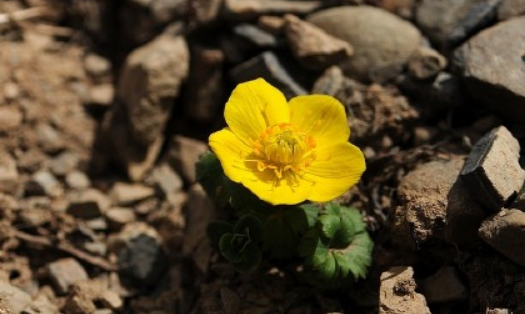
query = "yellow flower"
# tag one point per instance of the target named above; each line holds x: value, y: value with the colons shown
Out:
x: 286, y: 153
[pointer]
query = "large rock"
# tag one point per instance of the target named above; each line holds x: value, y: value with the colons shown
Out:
x: 505, y: 232
x: 383, y: 43
x: 449, y: 22
x: 436, y: 205
x: 511, y: 8
x: 149, y: 84
x: 494, y: 70
x: 398, y: 293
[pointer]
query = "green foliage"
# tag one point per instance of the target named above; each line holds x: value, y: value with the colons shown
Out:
x: 338, y: 250
x: 330, y: 241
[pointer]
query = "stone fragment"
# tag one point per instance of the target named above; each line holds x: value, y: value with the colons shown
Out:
x: 244, y: 9
x: 111, y: 299
x: 492, y: 65
x: 77, y: 180
x: 126, y: 194
x: 166, y: 179
x: 11, y: 91
x: 64, y: 273
x: 81, y: 298
x: 256, y: 36
x: 269, y: 67
x: 9, y: 179
x: 97, y: 67
x: 10, y: 118
x: 13, y: 299
x: 42, y: 305
x: 272, y: 24
x: 119, y: 216
x: 199, y: 212
x: 149, y: 84
x: 313, y: 47
x: 449, y: 22
x: 397, y: 293
x: 382, y: 42
x: 444, y: 286
x: 63, y: 163
x: 141, y: 256
x: 426, y: 64
x: 330, y: 82
x: 48, y: 138
x: 205, y: 94
x: 511, y: 8
x: 498, y: 311
x: 43, y: 183
x: 492, y: 170
x: 88, y: 203
x: 184, y: 153
x: 102, y: 95
x: 505, y: 232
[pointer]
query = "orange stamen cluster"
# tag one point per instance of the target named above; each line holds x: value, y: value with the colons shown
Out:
x: 284, y: 149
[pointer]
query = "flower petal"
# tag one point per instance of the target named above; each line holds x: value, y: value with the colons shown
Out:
x: 283, y: 193
x: 231, y: 152
x: 252, y: 107
x: 336, y: 169
x: 322, y: 116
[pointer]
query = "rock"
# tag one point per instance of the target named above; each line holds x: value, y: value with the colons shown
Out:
x: 48, y: 138
x: 13, y: 298
x: 269, y: 67
x: 64, y: 163
x: 444, y: 286
x: 97, y: 67
x: 492, y: 74
x: 77, y: 180
x: 118, y: 217
x: 426, y: 64
x: 272, y: 24
x: 256, y: 36
x: 111, y: 299
x: 126, y: 194
x: 313, y: 47
x: 444, y: 92
x: 437, y: 205
x: 43, y: 183
x: 397, y: 293
x: 199, y: 212
x: 11, y: 91
x: 102, y: 95
x: 498, y: 311
x: 41, y: 305
x: 505, y: 232
x: 510, y: 8
x: 492, y: 170
x: 184, y: 153
x: 136, y: 259
x: 166, y: 179
x: 330, y: 82
x: 88, y: 203
x: 245, y: 9
x: 205, y: 11
x: 64, y: 273
x: 9, y: 178
x: 449, y: 22
x: 81, y: 298
x: 10, y: 118
x: 382, y: 42
x: 149, y: 84
x: 205, y: 93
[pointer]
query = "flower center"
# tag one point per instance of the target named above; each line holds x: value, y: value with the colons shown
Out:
x: 284, y: 149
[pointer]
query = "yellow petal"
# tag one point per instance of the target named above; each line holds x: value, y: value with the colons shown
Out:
x: 231, y: 152
x: 252, y: 107
x: 262, y: 184
x: 336, y: 169
x: 322, y: 116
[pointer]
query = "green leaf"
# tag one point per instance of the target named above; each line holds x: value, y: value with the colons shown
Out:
x: 232, y: 246
x: 278, y: 239
x: 210, y: 175
x: 301, y: 218
x: 250, y: 226
x: 329, y: 224
x: 251, y: 259
x: 216, y: 230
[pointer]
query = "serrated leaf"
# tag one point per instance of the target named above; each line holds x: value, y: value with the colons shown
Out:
x: 216, y: 230
x: 359, y: 255
x: 328, y: 268
x: 332, y: 209
x: 342, y: 262
x: 251, y: 259
x: 232, y: 246
x: 329, y: 224
x: 301, y: 218
x: 251, y: 226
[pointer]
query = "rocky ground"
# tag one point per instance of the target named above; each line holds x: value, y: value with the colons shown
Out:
x: 105, y: 106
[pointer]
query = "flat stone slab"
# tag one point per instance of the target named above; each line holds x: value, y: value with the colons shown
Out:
x: 492, y: 170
